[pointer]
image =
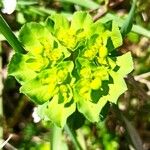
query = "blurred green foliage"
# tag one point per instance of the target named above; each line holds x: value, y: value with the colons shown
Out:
x: 134, y: 104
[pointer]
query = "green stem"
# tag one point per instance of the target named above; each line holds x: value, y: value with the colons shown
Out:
x: 72, y: 135
x: 56, y: 138
x: 9, y: 35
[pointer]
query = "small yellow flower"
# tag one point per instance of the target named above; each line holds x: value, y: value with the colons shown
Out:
x: 37, y: 63
x: 84, y: 89
x: 55, y: 54
x: 62, y: 75
x: 90, y: 53
x: 66, y: 92
x: 67, y: 37
x: 63, y: 88
x: 96, y: 83
x: 103, y: 52
x: 102, y: 60
x: 85, y: 72
x: 84, y: 92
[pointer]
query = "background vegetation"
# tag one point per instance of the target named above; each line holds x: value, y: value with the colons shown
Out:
x: 127, y: 128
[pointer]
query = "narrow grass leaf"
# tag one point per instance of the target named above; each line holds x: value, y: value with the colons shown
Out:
x: 136, y: 28
x: 84, y: 3
x: 127, y: 25
x: 134, y: 136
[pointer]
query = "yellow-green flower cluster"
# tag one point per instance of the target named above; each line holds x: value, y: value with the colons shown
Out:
x: 70, y: 66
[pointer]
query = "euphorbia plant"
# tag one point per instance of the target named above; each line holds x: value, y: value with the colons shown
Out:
x: 69, y: 66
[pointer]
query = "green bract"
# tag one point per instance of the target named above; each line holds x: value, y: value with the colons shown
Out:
x: 71, y: 65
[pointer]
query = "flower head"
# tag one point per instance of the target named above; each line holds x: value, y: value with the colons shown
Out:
x: 70, y: 65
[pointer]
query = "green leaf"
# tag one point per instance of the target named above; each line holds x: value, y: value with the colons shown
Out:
x: 133, y: 37
x: 57, y: 21
x: 112, y: 37
x: 26, y: 3
x: 41, y: 88
x: 9, y: 35
x: 116, y: 88
x: 81, y: 20
x: 104, y: 111
x: 18, y: 68
x: 136, y: 28
x: 35, y: 38
x: 91, y: 110
x: 56, y: 112
x: 83, y: 3
x: 97, y: 28
x: 116, y: 35
x: 125, y: 63
x: 85, y: 104
x: 127, y: 25
x: 45, y: 85
x: 132, y: 133
x: 83, y: 62
x: 76, y: 120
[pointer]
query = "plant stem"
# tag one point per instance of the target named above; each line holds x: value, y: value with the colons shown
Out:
x: 18, y: 111
x: 9, y: 35
x: 72, y: 135
x: 56, y: 138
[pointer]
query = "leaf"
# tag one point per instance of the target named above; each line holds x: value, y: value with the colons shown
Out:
x: 45, y: 85
x: 56, y: 112
x: 104, y: 111
x: 35, y: 38
x: 127, y: 25
x: 133, y: 134
x: 9, y: 35
x: 41, y: 88
x: 97, y: 28
x: 91, y: 110
x: 136, y: 28
x: 125, y: 63
x: 85, y: 104
x: 112, y: 37
x: 76, y: 120
x: 81, y: 20
x: 18, y: 68
x: 116, y: 35
x: 57, y: 21
x: 83, y: 3
x: 117, y: 88
x: 26, y: 3
x: 36, y: 63
x: 83, y: 62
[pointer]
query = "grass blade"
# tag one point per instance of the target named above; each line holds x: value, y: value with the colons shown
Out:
x: 135, y: 28
x: 73, y: 137
x: 127, y: 25
x: 134, y: 136
x: 27, y: 3
x: 84, y: 3
x: 9, y: 35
